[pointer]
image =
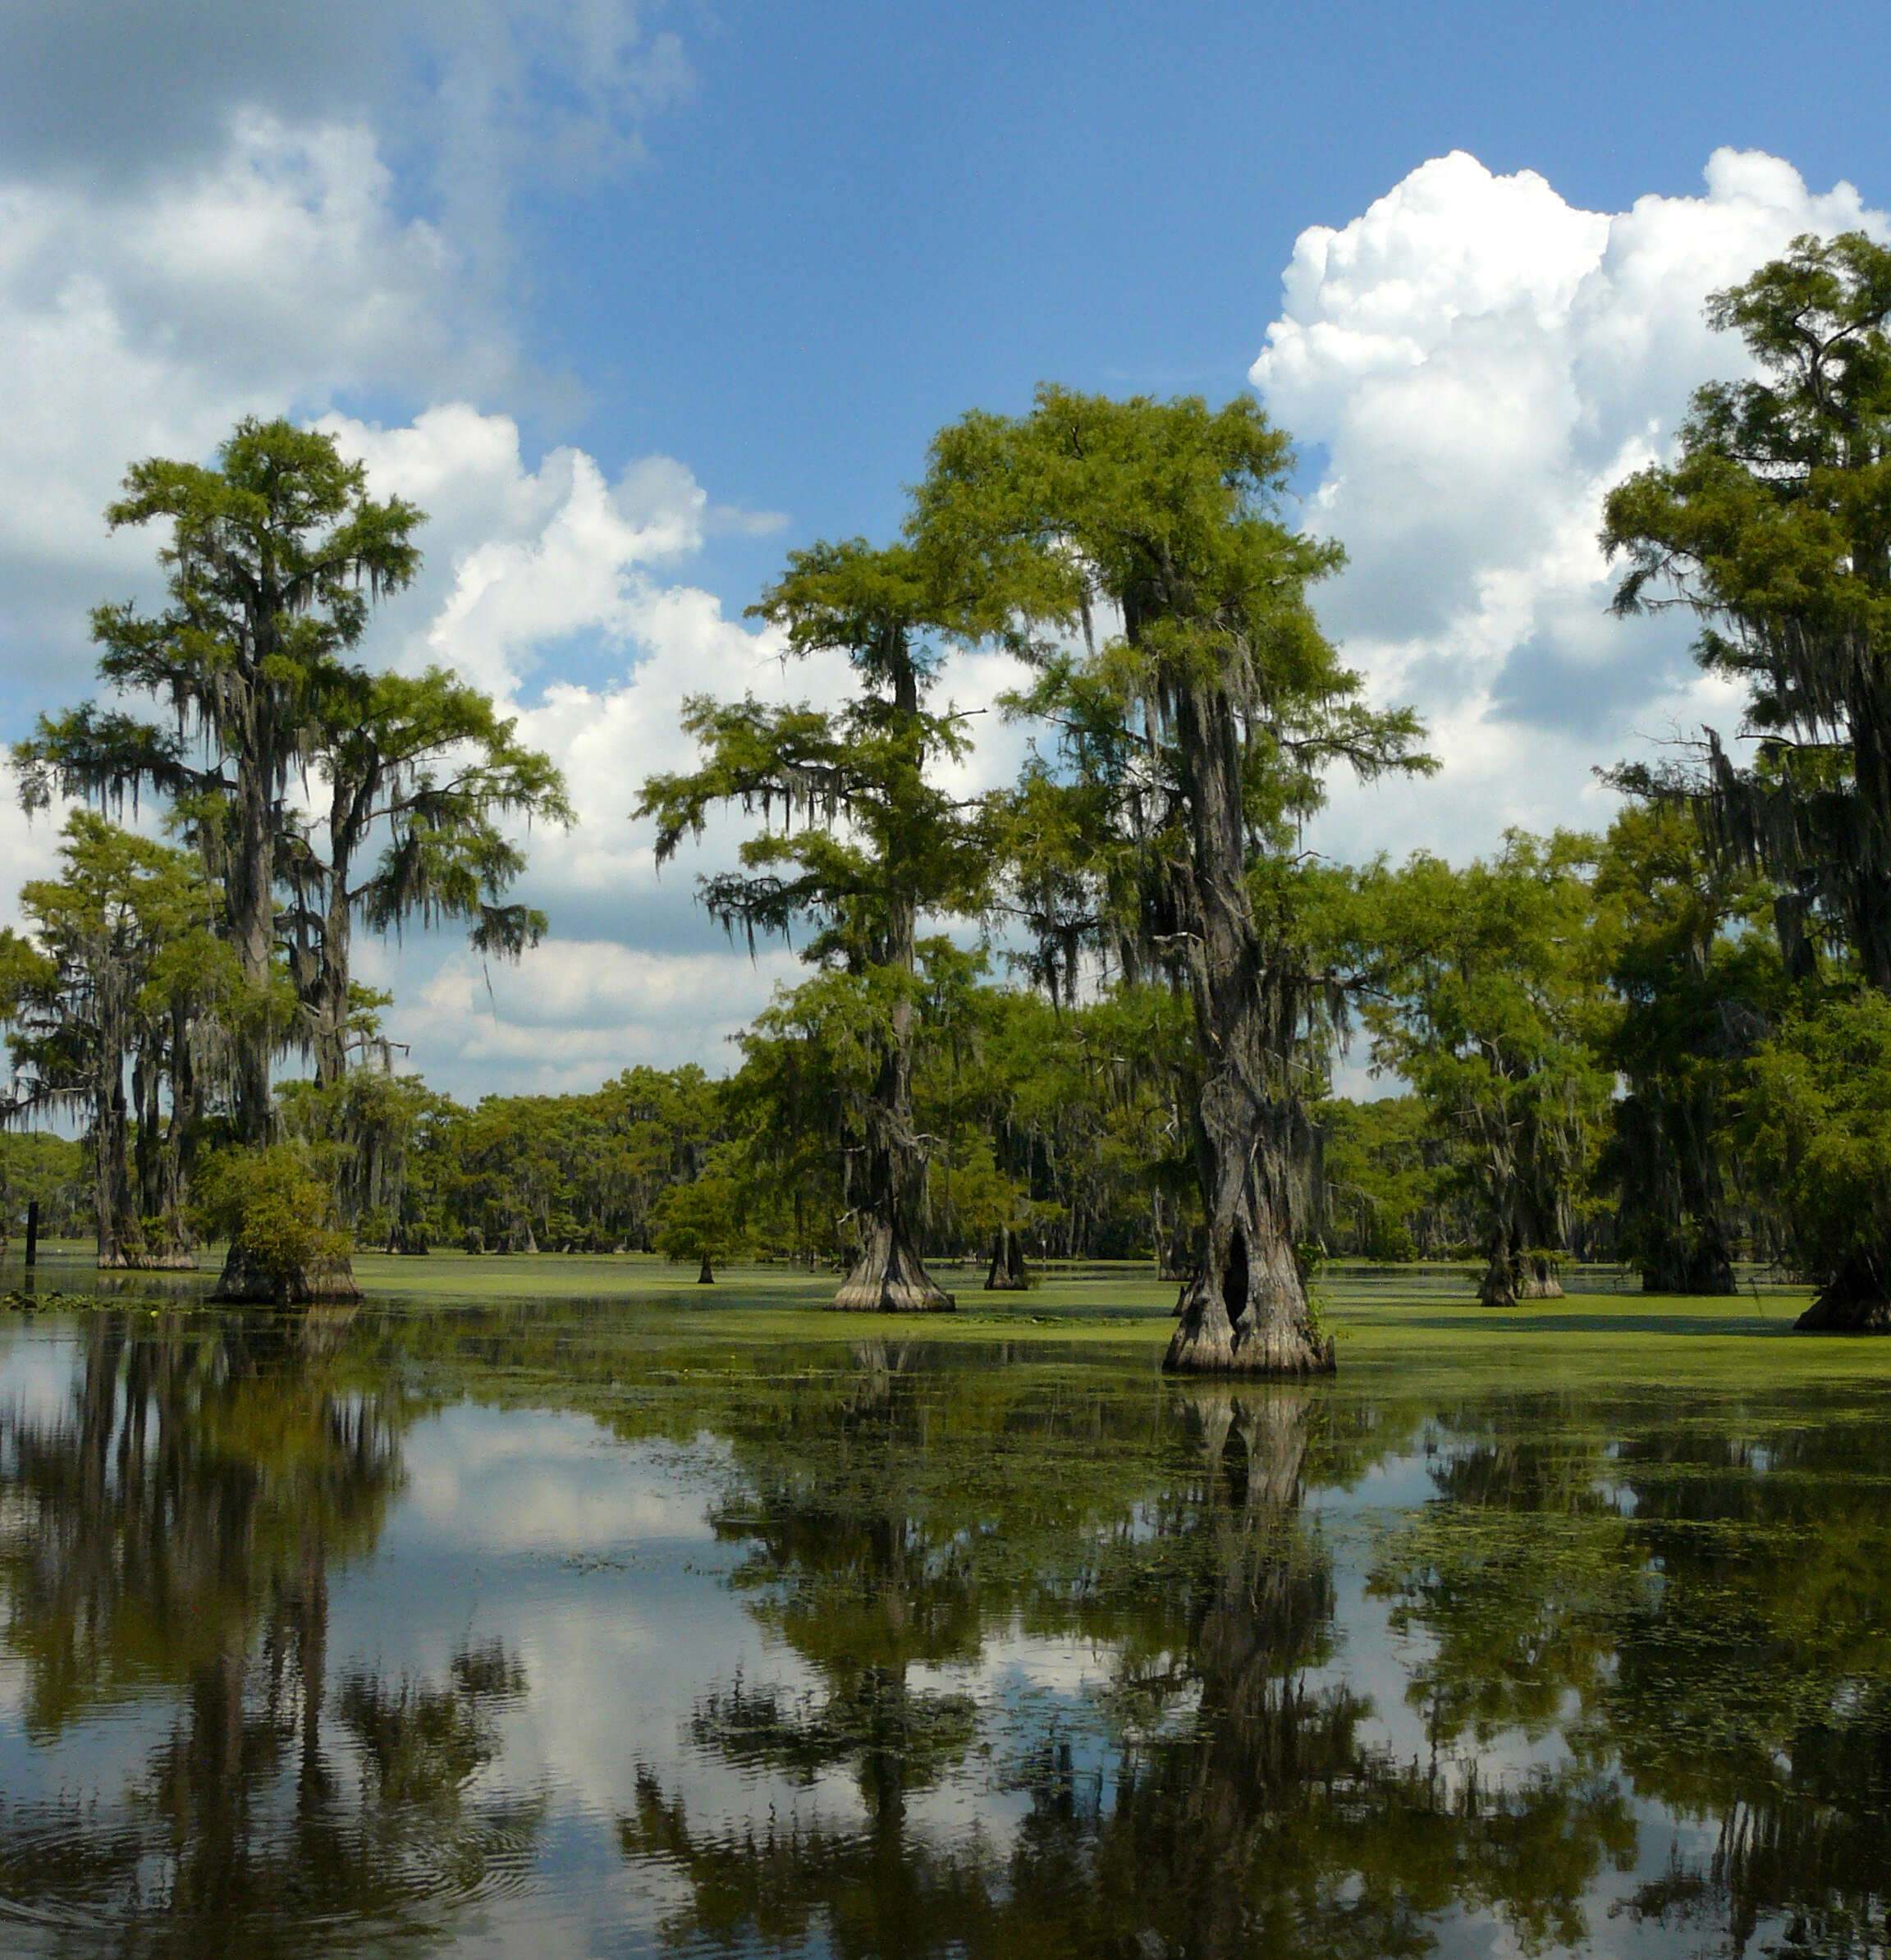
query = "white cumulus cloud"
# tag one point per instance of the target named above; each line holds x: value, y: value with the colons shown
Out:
x: 577, y: 1011
x: 276, y: 277
x: 1479, y: 361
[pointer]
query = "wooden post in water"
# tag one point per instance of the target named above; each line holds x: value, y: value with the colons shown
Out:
x: 32, y: 1232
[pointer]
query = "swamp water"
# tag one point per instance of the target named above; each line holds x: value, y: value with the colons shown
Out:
x: 546, y: 1630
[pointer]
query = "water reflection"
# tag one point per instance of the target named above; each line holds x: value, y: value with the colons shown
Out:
x: 1241, y: 1805
x: 170, y: 1532
x: 916, y: 1651
x: 1707, y: 1613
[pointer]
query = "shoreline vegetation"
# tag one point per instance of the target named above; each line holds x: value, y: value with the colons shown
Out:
x: 1378, y: 1315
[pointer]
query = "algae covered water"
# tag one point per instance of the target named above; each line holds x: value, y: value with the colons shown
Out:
x: 610, y: 1628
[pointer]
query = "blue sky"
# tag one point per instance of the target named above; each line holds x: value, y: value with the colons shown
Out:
x: 634, y: 299
x: 865, y: 218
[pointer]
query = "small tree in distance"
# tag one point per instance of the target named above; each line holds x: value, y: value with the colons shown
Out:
x: 1489, y: 1003
x: 702, y: 1220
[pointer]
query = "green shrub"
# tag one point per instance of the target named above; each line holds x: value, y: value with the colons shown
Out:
x: 270, y: 1205
x: 1812, y: 1121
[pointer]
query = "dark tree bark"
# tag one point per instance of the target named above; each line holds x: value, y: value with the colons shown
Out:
x: 1856, y: 1300
x: 330, y: 990
x: 706, y: 1277
x: 120, y: 1236
x: 1531, y: 1211
x: 1246, y: 1311
x: 1516, y: 1272
x: 243, y: 1282
x: 1008, y: 1273
x: 1673, y: 1204
x: 889, y: 1276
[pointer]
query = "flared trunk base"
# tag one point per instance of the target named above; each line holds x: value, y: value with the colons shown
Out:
x: 175, y: 1260
x: 1856, y: 1300
x: 1268, y: 1333
x: 244, y: 1282
x: 1706, y: 1275
x: 889, y: 1277
x: 1008, y: 1273
x: 1505, y: 1283
x: 1204, y: 1348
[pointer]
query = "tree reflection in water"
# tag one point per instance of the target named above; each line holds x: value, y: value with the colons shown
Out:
x: 1631, y: 1621
x: 1704, y: 1613
x: 1243, y: 1809
x: 170, y: 1534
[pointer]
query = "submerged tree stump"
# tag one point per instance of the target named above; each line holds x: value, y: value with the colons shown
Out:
x: 1008, y: 1273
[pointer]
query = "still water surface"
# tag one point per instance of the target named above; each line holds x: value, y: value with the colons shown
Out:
x: 534, y: 1632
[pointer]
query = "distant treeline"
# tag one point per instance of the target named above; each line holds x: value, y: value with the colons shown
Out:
x: 54, y: 1172
x: 1603, y: 1055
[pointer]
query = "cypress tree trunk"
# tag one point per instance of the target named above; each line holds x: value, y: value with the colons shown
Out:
x: 1246, y: 1311
x: 1866, y: 856
x: 250, y: 896
x: 1673, y: 1204
x: 1856, y: 1299
x: 1008, y: 1273
x: 243, y: 1282
x: 331, y: 1016
x: 159, y: 1199
x: 1526, y: 1210
x: 1518, y: 1272
x: 889, y: 1276
x: 1687, y: 1264
x: 121, y: 1237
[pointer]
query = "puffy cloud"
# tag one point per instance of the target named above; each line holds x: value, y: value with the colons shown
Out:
x: 576, y: 1011
x: 279, y: 277
x: 1480, y: 361
x: 520, y: 560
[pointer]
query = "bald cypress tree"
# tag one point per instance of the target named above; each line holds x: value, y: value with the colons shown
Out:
x: 1772, y: 527
x: 108, y: 998
x: 1202, y: 729
x: 860, y: 842
x: 273, y: 557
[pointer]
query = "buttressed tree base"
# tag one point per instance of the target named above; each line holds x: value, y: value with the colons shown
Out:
x: 243, y: 1282
x: 888, y: 1278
